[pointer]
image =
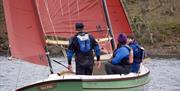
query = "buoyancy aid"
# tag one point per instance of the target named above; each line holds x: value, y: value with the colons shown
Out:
x: 125, y: 61
x: 84, y: 42
x: 121, y: 55
x: 138, y: 52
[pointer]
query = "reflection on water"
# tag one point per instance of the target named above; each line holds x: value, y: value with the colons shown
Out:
x: 165, y: 74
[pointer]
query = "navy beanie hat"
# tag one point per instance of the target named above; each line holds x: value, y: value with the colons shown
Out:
x: 122, y: 38
x: 79, y: 26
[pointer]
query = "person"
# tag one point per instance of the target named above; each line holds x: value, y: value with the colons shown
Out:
x: 82, y: 45
x: 138, y: 54
x: 122, y: 58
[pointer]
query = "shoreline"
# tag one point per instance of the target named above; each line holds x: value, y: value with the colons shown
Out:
x: 151, y: 55
x: 164, y: 56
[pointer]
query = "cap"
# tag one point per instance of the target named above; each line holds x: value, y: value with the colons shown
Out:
x: 79, y: 26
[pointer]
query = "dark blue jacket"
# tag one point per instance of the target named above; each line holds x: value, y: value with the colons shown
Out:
x: 74, y: 48
x: 138, y: 56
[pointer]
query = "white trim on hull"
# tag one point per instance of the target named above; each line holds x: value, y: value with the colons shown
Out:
x: 143, y: 70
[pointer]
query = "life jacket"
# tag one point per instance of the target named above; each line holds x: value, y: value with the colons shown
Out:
x: 84, y: 42
x: 84, y: 57
x: 125, y: 61
x: 138, y: 53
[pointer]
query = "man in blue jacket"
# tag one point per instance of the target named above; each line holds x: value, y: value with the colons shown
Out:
x: 120, y: 63
x: 82, y: 45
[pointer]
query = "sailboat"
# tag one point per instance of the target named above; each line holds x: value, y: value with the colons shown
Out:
x: 32, y: 24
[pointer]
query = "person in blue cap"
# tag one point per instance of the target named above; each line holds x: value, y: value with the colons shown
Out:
x: 122, y: 58
x: 82, y: 45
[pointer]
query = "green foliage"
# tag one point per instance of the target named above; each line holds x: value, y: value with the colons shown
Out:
x: 3, y: 34
x: 1, y: 12
x: 3, y: 41
x: 175, y: 28
x: 132, y: 1
x: 159, y: 37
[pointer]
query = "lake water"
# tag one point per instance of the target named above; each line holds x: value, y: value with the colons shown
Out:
x: 165, y: 74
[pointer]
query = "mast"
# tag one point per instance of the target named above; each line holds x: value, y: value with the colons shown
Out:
x: 49, y: 61
x: 108, y: 23
x: 45, y: 46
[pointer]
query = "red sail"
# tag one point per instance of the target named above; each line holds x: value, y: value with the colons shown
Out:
x: 29, y: 20
x: 59, y: 16
x: 24, y: 31
x: 118, y: 18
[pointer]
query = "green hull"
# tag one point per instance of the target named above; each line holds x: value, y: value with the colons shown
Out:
x: 135, y: 83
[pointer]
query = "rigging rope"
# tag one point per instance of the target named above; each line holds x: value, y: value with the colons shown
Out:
x: 78, y: 8
x: 46, y: 5
x: 61, y: 8
x: 39, y: 13
x: 69, y: 12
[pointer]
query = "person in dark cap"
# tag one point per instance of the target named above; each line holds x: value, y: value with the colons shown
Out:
x: 82, y: 45
x: 122, y: 58
x: 79, y: 26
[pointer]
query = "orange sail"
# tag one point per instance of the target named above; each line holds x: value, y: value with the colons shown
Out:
x: 24, y: 31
